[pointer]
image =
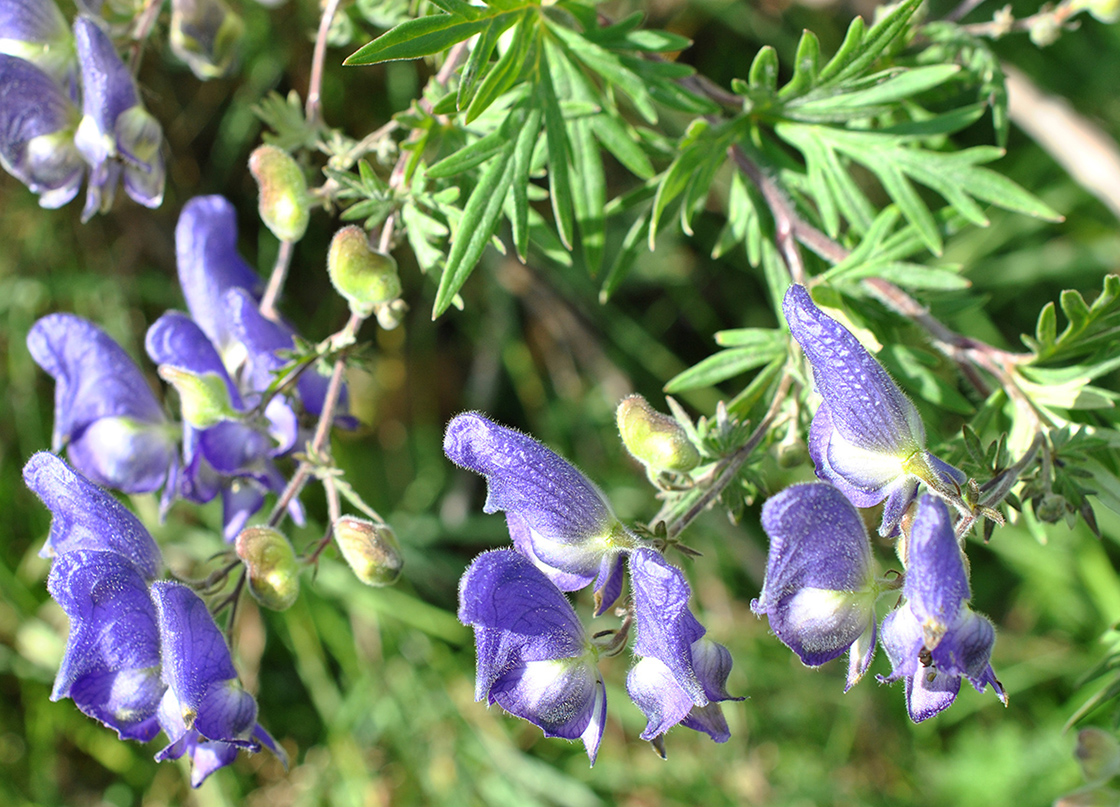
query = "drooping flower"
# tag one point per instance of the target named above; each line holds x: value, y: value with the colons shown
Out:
x: 106, y: 415
x: 934, y: 639
x: 535, y: 659
x: 205, y: 34
x: 681, y: 676
x: 37, y: 123
x: 819, y: 591
x: 111, y: 667
x: 204, y: 712
x: 867, y: 437
x: 117, y: 137
x: 556, y: 516
x: 36, y: 31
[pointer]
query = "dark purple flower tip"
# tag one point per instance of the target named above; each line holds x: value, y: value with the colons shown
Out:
x: 819, y: 591
x: 668, y: 632
x: 209, y: 265
x: 867, y: 407
x: 103, y: 405
x: 111, y: 668
x: 85, y: 517
x: 551, y: 506
x: 534, y: 657
x: 37, y: 123
x: 198, y: 669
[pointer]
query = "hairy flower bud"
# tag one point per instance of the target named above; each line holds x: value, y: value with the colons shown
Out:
x: 283, y: 192
x: 654, y: 439
x: 272, y: 565
x: 372, y: 550
x: 366, y: 278
x: 205, y: 34
x: 204, y: 397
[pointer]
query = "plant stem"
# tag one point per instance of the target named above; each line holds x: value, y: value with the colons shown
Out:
x: 313, y: 109
x: 276, y: 280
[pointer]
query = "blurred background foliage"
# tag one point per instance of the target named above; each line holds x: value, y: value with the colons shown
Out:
x: 371, y: 691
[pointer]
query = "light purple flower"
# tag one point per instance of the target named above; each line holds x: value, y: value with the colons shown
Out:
x: 556, y: 516
x: 84, y: 517
x: 204, y: 712
x: 934, y: 639
x: 535, y: 659
x: 105, y: 412
x: 867, y: 438
x: 116, y: 136
x: 36, y: 31
x: 819, y: 591
x: 37, y: 123
x: 681, y: 676
x: 111, y: 668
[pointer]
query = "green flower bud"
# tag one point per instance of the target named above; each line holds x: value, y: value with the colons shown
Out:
x: 654, y: 439
x: 284, y: 204
x: 792, y: 453
x: 1098, y: 752
x: 372, y: 550
x: 1103, y: 10
x: 272, y: 566
x: 205, y: 35
x: 1051, y: 508
x: 366, y: 278
x: 203, y: 397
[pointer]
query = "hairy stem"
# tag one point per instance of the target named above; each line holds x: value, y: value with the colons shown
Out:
x: 276, y: 280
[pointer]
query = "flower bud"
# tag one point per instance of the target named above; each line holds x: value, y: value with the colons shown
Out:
x: 204, y: 397
x: 283, y: 192
x: 366, y: 278
x: 792, y: 452
x: 272, y: 566
x: 372, y: 550
x: 1104, y: 10
x: 204, y: 34
x: 654, y: 439
x: 1098, y: 752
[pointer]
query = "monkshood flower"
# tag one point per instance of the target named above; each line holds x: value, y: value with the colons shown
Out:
x: 819, y: 591
x: 36, y: 31
x: 205, y: 35
x: 867, y: 437
x: 934, y: 639
x: 204, y: 712
x: 106, y: 415
x: 37, y: 123
x: 681, y: 676
x: 117, y: 137
x: 104, y: 560
x: 556, y: 516
x: 535, y: 659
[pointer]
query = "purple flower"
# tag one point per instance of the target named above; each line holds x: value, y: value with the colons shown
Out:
x: 934, y: 639
x: 867, y: 438
x: 37, y: 123
x: 116, y: 136
x: 556, y: 516
x: 111, y: 668
x: 105, y: 413
x: 681, y: 676
x: 819, y: 592
x: 36, y: 31
x: 535, y: 659
x: 204, y: 712
x: 84, y: 517
x: 205, y: 35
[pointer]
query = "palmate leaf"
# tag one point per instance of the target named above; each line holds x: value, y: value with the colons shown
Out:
x: 1089, y: 328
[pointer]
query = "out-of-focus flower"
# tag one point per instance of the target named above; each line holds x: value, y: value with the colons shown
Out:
x: 934, y: 639
x: 284, y: 205
x: 204, y: 712
x: 117, y: 137
x: 654, y: 439
x: 535, y: 659
x: 371, y: 550
x: 37, y: 123
x: 556, y: 516
x: 36, y: 31
x: 205, y: 34
x: 819, y: 591
x: 681, y: 676
x: 105, y: 412
x: 867, y: 438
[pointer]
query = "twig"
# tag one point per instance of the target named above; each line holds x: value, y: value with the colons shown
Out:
x: 313, y: 108
x: 784, y: 234
x: 276, y: 280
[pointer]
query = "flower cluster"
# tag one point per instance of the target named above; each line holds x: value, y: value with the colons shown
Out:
x: 68, y: 103
x: 820, y: 588
x: 535, y: 658
x: 222, y: 359
x: 143, y: 654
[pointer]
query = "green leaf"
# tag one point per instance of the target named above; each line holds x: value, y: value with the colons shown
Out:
x: 478, y: 60
x: 805, y: 66
x: 763, y: 75
x: 860, y: 49
x: 472, y: 234
x: 1090, y: 328
x: 426, y: 36
x: 914, y: 371
x: 622, y: 142
x: 722, y: 366
x: 756, y: 338
x: 559, y: 178
x: 898, y: 86
x: 519, y: 196
x: 624, y: 261
x: 518, y: 60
